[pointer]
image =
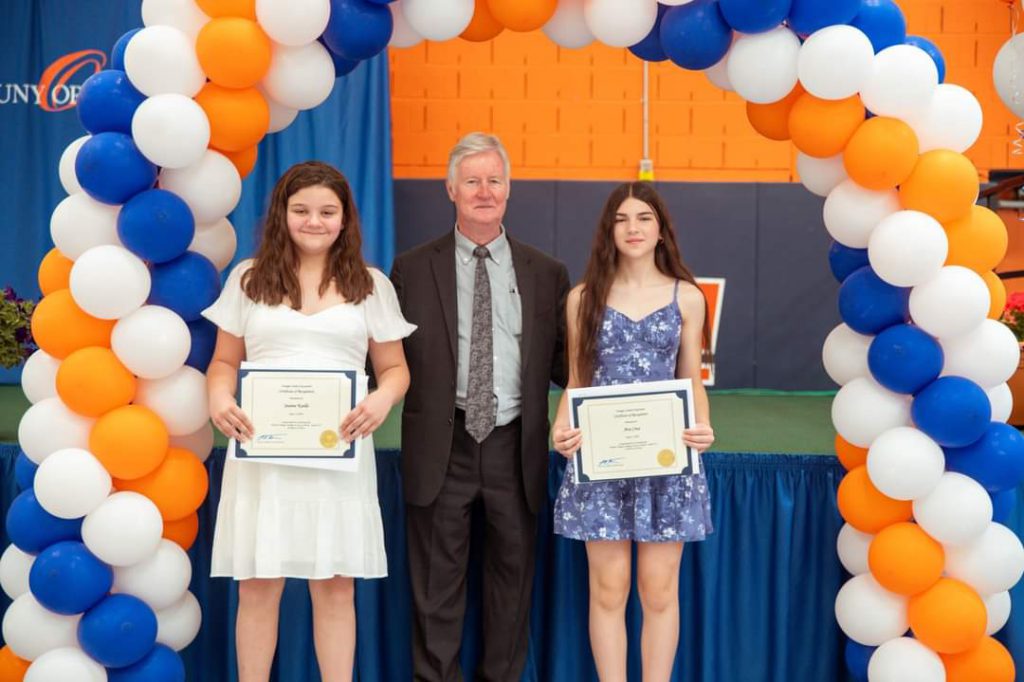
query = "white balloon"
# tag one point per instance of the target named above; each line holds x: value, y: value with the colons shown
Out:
x: 852, y: 546
x: 71, y: 483
x: 620, y: 23
x: 153, y: 342
x: 835, y: 62
x: 905, y: 659
x: 567, y: 27
x: 851, y: 212
x: 183, y: 15
x: 763, y: 66
x: 402, y: 35
x: 868, y: 613
x: 30, y: 629
x: 1007, y: 73
x: 719, y: 74
x: 109, y: 282
x: 49, y: 426
x: 171, y: 130
x: 953, y: 302
x: 160, y: 581
x: 998, y: 606
x: 952, y: 120
x: 179, y: 399
x: 178, y: 624
x: 293, y: 22
x: 845, y: 354
x: 211, y: 187
x: 907, y: 248
x: 987, y: 355
x: 68, y: 177
x: 162, y: 59
x: 65, y: 664
x: 300, y: 77
x: 905, y: 464
x: 14, y: 569
x: 992, y: 563
x: 438, y: 20
x: 674, y: 3
x: 1000, y: 397
x: 862, y: 410
x: 80, y: 222
x: 216, y: 241
x: 902, y: 81
x: 956, y: 511
x: 39, y: 376
x: 124, y: 530
x: 199, y: 443
x: 821, y: 176
x: 280, y: 116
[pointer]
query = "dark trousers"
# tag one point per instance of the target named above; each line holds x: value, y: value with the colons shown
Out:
x: 439, y: 538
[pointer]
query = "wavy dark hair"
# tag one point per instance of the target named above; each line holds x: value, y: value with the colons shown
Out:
x: 272, y: 278
x: 601, y: 268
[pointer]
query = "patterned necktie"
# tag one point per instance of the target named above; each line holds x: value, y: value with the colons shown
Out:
x: 480, y: 408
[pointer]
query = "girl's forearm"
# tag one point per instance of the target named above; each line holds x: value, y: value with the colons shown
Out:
x: 393, y: 383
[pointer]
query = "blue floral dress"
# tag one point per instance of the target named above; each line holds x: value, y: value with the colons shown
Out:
x: 657, y: 509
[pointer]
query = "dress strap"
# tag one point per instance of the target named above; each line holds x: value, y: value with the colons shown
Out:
x: 675, y: 293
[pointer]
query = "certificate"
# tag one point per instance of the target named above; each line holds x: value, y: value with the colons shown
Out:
x: 633, y: 430
x: 296, y: 414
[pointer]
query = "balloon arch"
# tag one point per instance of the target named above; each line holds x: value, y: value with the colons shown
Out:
x: 119, y: 428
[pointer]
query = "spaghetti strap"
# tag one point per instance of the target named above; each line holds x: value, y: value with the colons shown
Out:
x: 675, y: 293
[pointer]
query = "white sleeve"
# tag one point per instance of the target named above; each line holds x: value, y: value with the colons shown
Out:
x: 384, y: 318
x: 230, y: 311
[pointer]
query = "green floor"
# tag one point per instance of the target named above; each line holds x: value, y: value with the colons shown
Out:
x: 744, y: 421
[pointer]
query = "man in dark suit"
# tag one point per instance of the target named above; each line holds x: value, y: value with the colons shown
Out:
x: 491, y: 338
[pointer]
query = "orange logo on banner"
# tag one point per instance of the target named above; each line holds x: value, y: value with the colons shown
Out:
x: 714, y: 292
x: 61, y: 71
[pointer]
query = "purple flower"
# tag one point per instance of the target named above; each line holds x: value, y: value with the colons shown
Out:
x: 9, y: 294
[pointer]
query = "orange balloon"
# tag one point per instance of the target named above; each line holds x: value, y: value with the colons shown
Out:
x: 60, y: 327
x: 54, y: 272
x: 881, y: 154
x: 944, y: 185
x: 12, y: 668
x: 177, y: 487
x: 483, y: 26
x: 977, y: 240
x: 522, y: 15
x: 229, y: 8
x: 996, y: 294
x: 822, y: 127
x: 238, y: 118
x: 92, y: 381
x: 850, y: 456
x: 244, y: 160
x: 989, y: 661
x: 949, y: 617
x: 772, y: 120
x: 130, y: 441
x: 864, y: 507
x: 905, y: 560
x: 183, y: 531
x: 234, y: 52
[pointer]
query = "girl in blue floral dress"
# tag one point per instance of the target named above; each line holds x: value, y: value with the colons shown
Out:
x: 637, y: 316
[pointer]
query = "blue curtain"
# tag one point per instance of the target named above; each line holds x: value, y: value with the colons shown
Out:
x: 756, y: 597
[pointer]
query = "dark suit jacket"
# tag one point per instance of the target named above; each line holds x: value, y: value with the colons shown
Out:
x: 424, y: 280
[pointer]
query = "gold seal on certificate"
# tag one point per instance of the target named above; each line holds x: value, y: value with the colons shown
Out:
x: 633, y: 430
x: 329, y: 439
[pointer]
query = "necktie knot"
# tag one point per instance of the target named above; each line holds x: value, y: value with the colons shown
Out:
x: 481, y: 252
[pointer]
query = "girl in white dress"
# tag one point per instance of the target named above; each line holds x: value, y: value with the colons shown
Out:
x: 306, y: 300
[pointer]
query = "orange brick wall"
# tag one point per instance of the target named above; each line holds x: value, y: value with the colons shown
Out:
x: 576, y: 114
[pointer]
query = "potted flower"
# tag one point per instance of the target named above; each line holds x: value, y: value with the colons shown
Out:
x: 15, y: 329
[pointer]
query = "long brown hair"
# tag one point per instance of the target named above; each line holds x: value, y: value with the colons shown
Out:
x: 272, y: 278
x: 601, y: 268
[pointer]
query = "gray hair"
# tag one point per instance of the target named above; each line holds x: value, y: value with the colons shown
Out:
x: 476, y: 143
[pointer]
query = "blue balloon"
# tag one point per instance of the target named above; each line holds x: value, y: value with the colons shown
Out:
x: 996, y: 460
x: 117, y: 53
x: 868, y: 305
x: 187, y: 285
x: 24, y: 471
x: 342, y: 66
x: 1003, y: 504
x: 156, y: 225
x: 905, y: 359
x: 843, y: 260
x: 358, y: 29
x: 952, y: 411
x: 162, y: 664
x: 882, y: 22
x: 649, y: 49
x: 755, y: 16
x: 857, y: 657
x: 933, y: 51
x: 111, y: 168
x: 119, y: 631
x: 807, y: 16
x: 107, y: 103
x: 33, y: 529
x: 204, y: 339
x: 68, y: 579
x: 696, y: 35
